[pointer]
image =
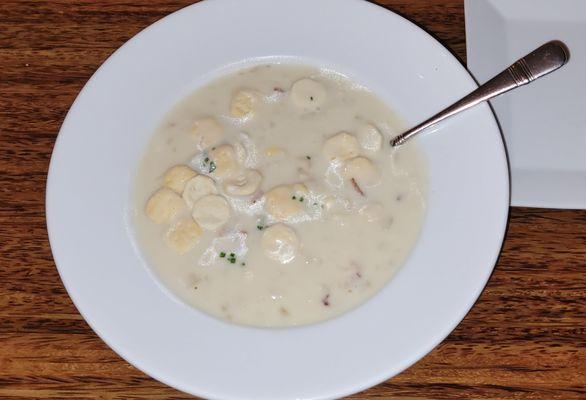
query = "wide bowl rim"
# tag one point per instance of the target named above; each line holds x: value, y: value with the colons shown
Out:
x: 201, y: 391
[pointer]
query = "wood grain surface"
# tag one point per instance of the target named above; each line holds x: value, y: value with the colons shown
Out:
x: 524, y: 339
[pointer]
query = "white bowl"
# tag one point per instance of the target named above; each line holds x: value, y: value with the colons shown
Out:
x: 110, y: 123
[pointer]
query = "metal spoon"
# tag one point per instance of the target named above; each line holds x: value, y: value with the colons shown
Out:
x: 536, y: 64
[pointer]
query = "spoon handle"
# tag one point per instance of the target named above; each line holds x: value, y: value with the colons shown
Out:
x: 536, y: 64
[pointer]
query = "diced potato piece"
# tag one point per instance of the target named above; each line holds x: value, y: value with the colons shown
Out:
x: 274, y: 152
x: 197, y: 188
x: 207, y: 132
x: 164, y: 205
x: 211, y: 212
x: 341, y: 147
x: 283, y: 204
x: 363, y: 171
x: 245, y: 184
x: 176, y: 177
x: 184, y: 235
x: 223, y: 161
x: 244, y: 104
x: 308, y: 95
x: 280, y: 243
x: 370, y: 137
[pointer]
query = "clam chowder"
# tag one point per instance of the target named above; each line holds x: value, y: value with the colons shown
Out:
x: 271, y: 196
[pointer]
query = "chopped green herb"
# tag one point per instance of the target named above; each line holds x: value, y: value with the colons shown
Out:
x: 293, y: 197
x: 212, y: 167
x: 231, y: 258
x: 308, y: 157
x: 243, y: 264
x: 206, y: 160
x: 260, y: 227
x: 301, y: 198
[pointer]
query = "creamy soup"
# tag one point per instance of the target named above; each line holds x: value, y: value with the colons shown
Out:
x: 271, y: 196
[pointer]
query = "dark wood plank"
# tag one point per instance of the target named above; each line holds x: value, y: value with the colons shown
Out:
x: 524, y: 339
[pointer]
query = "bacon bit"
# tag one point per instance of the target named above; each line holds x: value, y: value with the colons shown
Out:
x: 278, y: 89
x: 356, y: 187
x: 326, y: 300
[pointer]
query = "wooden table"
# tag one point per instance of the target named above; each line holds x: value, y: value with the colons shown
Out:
x: 524, y: 339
